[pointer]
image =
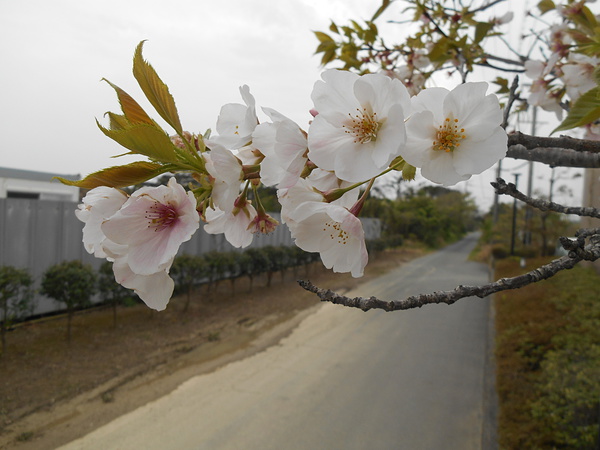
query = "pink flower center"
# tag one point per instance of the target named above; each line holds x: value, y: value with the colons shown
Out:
x: 363, y: 126
x: 161, y: 216
x: 336, y: 233
x: 448, y: 136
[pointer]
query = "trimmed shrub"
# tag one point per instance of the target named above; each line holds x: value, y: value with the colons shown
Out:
x: 72, y: 283
x: 16, y: 300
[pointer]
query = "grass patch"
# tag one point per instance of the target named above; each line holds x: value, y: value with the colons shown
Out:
x: 548, y: 359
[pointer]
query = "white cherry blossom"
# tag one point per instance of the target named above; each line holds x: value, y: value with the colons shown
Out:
x: 236, y: 122
x: 284, y: 146
x: 454, y: 134
x: 226, y: 170
x: 359, y: 128
x: 235, y: 224
x: 98, y: 205
x: 334, y: 232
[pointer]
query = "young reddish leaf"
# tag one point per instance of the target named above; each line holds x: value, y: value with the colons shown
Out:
x: 155, y: 90
x: 145, y: 140
x: 119, y: 176
x: 132, y: 111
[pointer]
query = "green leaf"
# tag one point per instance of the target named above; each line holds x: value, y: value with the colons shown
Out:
x: 322, y: 37
x: 333, y: 27
x: 597, y: 74
x: 132, y: 111
x: 584, y: 111
x: 546, y: 5
x: 145, y: 140
x: 381, y: 9
x: 481, y: 31
x: 119, y: 176
x: 155, y: 90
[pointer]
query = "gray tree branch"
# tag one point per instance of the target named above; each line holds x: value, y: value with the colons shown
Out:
x: 510, y: 189
x: 554, y: 156
x: 578, y: 251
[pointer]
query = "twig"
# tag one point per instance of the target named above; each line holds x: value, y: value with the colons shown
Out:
x: 590, y: 252
x: 510, y: 189
x: 512, y: 95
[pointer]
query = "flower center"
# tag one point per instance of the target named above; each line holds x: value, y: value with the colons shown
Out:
x: 448, y: 136
x: 363, y: 126
x: 160, y: 216
x: 336, y: 233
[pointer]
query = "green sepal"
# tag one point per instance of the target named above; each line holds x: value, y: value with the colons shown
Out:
x: 144, y: 139
x: 584, y: 111
x: 155, y: 90
x: 119, y: 176
x: 409, y: 172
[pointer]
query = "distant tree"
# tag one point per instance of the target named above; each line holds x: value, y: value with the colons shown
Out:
x: 111, y: 291
x: 188, y: 271
x: 16, y: 298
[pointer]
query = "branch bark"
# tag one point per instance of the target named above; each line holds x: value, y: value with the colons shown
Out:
x: 510, y: 189
x: 554, y: 156
x: 533, y: 142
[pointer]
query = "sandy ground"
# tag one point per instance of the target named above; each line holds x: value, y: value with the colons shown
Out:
x: 163, y: 353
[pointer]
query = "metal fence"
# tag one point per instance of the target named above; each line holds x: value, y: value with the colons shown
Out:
x: 36, y: 234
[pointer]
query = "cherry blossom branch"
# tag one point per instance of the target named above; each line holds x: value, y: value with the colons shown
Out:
x: 510, y: 189
x: 555, y: 156
x: 531, y: 142
x: 577, y: 252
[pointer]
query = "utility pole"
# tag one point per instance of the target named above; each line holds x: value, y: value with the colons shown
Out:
x: 514, y: 218
x: 529, y: 209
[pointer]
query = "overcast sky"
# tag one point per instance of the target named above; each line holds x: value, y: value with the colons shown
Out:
x: 54, y: 53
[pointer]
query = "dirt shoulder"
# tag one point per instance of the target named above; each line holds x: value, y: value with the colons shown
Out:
x: 52, y: 392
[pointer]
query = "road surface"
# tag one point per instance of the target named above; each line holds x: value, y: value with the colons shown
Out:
x: 344, y: 379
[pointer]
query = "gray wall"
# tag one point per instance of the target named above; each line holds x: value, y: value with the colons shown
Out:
x: 36, y: 234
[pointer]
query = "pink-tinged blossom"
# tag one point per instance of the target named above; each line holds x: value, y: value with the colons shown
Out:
x: 284, y: 146
x: 455, y: 134
x: 226, y: 169
x: 360, y: 126
x: 98, y: 205
x: 334, y: 232
x: 235, y: 225
x: 154, y: 289
x: 578, y: 75
x: 236, y: 122
x: 153, y: 223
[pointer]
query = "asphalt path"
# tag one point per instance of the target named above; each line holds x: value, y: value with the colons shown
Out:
x: 343, y: 379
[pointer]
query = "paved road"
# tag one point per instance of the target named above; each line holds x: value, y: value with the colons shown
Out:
x: 343, y: 379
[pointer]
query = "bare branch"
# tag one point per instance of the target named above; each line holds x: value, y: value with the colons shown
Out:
x: 590, y: 252
x: 532, y: 142
x: 555, y: 156
x: 511, y: 99
x: 510, y: 189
